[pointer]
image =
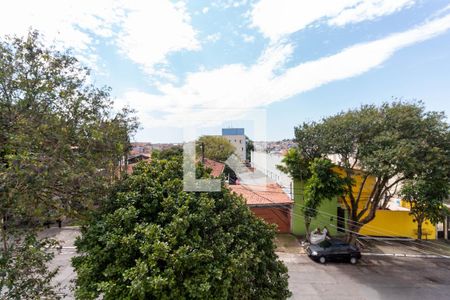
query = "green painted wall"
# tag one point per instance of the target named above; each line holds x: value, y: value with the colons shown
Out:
x: 327, y: 213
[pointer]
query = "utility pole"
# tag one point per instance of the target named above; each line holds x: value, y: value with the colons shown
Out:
x: 203, y: 152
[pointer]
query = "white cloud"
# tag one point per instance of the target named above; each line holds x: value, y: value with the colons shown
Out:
x: 213, y: 37
x: 67, y: 24
x: 145, y: 31
x: 369, y: 10
x: 151, y: 30
x: 240, y: 87
x: 278, y: 18
x: 205, y: 9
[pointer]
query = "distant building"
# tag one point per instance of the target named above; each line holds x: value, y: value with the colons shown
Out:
x: 236, y: 136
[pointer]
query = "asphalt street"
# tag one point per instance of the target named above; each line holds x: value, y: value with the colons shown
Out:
x: 372, y: 278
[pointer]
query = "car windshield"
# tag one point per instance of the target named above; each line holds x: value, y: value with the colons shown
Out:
x: 325, y: 244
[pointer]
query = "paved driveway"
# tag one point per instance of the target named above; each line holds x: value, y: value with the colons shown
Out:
x: 372, y: 278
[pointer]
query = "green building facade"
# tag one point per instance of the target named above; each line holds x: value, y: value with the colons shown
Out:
x: 327, y: 213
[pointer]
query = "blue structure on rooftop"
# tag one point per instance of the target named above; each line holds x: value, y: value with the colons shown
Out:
x: 232, y: 131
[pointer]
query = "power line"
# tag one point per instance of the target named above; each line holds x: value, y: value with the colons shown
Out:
x: 322, y: 212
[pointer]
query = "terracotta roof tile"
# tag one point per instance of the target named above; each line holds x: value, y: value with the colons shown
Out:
x: 271, y: 194
x: 216, y: 167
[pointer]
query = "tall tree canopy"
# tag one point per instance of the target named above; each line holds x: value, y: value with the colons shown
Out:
x: 154, y: 241
x: 57, y: 132
x: 426, y: 200
x: 60, y: 142
x: 392, y: 142
x: 215, y: 147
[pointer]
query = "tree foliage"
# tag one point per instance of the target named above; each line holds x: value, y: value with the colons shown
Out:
x: 168, y: 153
x: 57, y: 132
x: 392, y: 142
x: 250, y: 146
x: 216, y: 147
x: 295, y: 164
x: 155, y: 241
x: 60, y: 142
x: 426, y: 200
x: 24, y: 272
x: 323, y: 184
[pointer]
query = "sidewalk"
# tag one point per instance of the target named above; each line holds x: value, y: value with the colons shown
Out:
x: 290, y: 244
x: 404, y: 247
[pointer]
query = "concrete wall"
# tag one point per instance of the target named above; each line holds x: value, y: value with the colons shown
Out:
x: 327, y: 213
x: 281, y: 217
x: 267, y: 164
x: 397, y: 224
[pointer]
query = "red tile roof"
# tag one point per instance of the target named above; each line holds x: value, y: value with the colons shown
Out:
x: 268, y: 195
x: 216, y: 167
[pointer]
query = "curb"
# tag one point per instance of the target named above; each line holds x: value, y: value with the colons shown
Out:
x: 406, y: 255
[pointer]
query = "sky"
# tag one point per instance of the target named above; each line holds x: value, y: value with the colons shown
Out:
x: 266, y: 65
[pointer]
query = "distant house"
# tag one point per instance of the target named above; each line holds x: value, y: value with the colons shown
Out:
x: 134, y: 159
x: 236, y: 136
x: 269, y: 203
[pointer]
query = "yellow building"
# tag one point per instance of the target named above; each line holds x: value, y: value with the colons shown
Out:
x: 390, y: 223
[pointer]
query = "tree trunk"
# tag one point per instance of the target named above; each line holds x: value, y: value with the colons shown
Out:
x: 419, y: 230
x: 4, y: 234
x: 352, y: 230
x: 307, y: 226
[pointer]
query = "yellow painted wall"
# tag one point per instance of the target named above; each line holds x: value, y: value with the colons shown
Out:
x: 386, y: 222
x: 358, y: 178
x: 397, y: 223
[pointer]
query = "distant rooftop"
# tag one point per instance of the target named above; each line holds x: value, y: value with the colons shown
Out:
x: 233, y: 131
x: 268, y: 195
x: 216, y: 167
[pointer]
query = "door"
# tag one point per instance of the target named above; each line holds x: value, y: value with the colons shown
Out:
x: 340, y: 219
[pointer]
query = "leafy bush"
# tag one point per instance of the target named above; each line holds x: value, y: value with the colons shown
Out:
x: 154, y: 241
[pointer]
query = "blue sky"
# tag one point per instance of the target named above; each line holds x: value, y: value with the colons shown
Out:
x: 208, y: 64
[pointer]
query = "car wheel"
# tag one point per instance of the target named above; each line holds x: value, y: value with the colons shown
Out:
x: 322, y: 260
x: 353, y: 260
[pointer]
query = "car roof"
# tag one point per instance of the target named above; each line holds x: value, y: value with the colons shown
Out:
x: 337, y: 242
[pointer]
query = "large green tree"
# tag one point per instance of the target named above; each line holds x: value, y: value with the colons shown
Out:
x: 61, y: 144
x: 426, y: 200
x: 392, y: 142
x: 214, y: 147
x: 154, y: 241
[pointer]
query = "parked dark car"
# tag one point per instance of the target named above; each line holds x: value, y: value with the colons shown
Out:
x: 333, y: 250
